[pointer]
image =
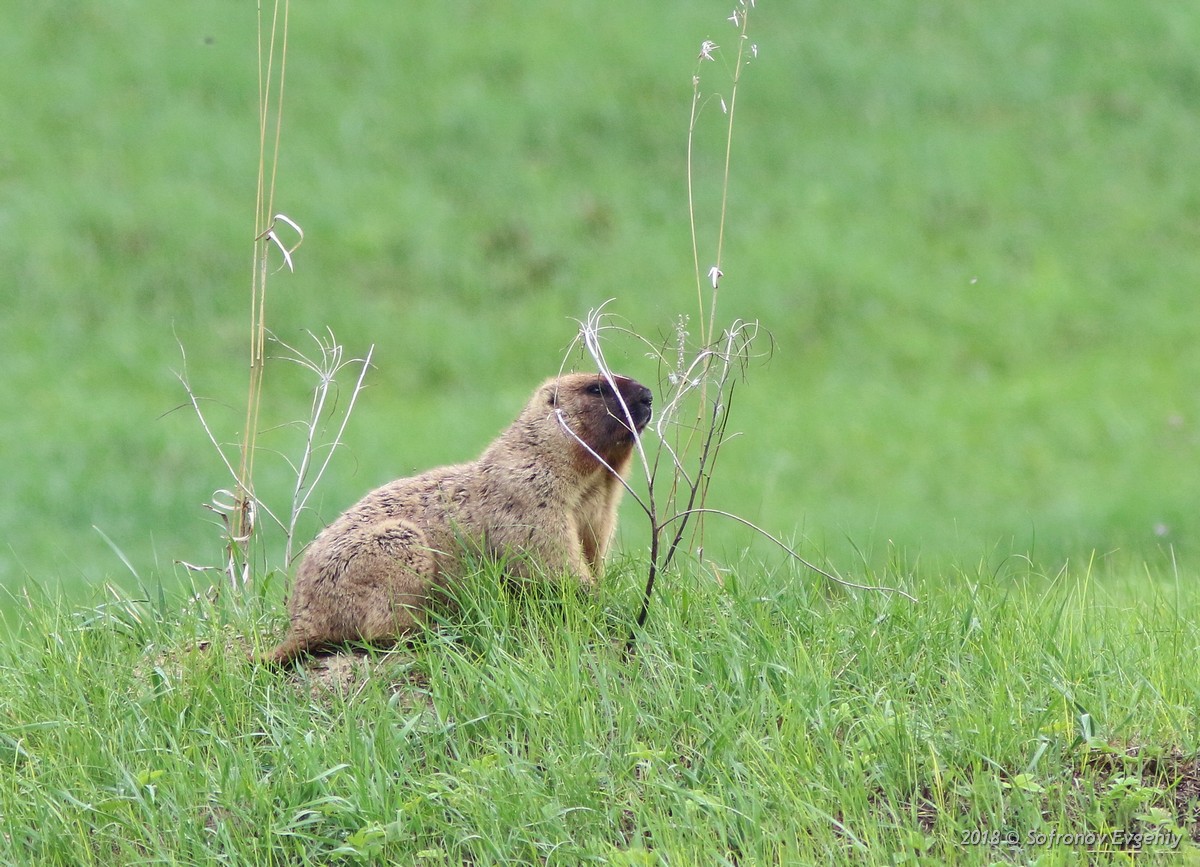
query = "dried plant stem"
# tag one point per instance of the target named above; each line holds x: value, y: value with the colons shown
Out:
x: 825, y: 573
x: 270, y: 102
x: 710, y: 376
x: 238, y: 509
x: 704, y: 470
x: 326, y: 371
x: 691, y: 137
x: 315, y: 455
x: 738, y: 66
x: 707, y: 315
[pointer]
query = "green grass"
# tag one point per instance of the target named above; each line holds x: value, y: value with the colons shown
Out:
x: 971, y: 234
x: 764, y: 721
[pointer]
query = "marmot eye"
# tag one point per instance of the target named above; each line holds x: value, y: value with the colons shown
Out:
x: 595, y: 389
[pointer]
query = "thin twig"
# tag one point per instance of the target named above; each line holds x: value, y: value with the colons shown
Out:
x: 303, y: 488
x: 269, y: 95
x: 778, y: 542
x: 715, y: 272
x: 711, y: 367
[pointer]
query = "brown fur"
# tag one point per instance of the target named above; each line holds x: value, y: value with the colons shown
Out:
x: 536, y: 498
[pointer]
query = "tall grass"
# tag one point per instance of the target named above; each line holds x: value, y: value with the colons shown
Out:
x: 763, y: 721
x: 239, y: 508
x: 696, y: 378
x: 271, y: 78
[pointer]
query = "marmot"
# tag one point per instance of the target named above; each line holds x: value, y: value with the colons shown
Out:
x: 537, y: 498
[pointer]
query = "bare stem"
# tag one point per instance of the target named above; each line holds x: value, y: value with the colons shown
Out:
x: 326, y: 371
x: 738, y: 65
x: 631, y: 641
x: 692, y: 202
x: 270, y: 98
x: 779, y: 543
x: 708, y: 316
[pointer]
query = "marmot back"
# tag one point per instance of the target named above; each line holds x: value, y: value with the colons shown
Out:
x: 543, y: 496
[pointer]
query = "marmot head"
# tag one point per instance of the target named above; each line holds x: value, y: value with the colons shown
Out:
x: 598, y: 413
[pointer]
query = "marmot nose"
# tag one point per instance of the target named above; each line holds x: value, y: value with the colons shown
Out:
x: 643, y: 399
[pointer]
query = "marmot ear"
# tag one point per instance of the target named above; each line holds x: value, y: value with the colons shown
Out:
x: 552, y: 397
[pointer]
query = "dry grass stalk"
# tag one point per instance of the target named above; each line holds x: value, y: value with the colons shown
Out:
x: 238, y: 507
x: 697, y: 381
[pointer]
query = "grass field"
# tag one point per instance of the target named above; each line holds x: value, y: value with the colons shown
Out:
x: 972, y: 240
x: 761, y: 722
x: 972, y: 235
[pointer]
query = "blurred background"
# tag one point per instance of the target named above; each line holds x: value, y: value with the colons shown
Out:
x: 971, y: 230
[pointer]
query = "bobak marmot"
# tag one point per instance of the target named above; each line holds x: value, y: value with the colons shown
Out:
x: 538, y: 499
